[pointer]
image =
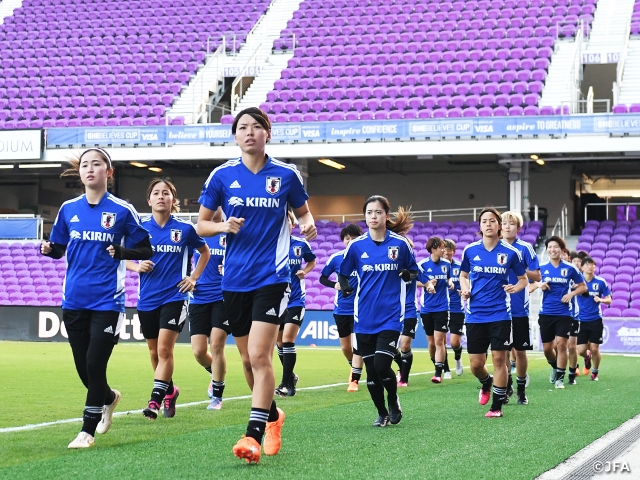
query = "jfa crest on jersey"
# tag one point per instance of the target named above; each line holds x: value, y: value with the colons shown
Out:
x: 564, y: 272
x: 297, y: 251
x: 393, y: 253
x: 108, y: 220
x: 502, y: 258
x: 273, y: 184
x: 176, y: 236
x: 223, y: 241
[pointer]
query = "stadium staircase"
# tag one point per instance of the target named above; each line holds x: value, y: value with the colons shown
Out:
x: 556, y: 90
x: 7, y: 7
x: 267, y: 29
x: 609, y: 25
x: 630, y: 87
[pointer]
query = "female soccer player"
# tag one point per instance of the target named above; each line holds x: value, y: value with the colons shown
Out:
x: 456, y: 312
x: 511, y: 225
x: 165, y: 282
x: 91, y: 229
x: 434, y: 275
x: 484, y: 283
x: 555, y: 312
x: 572, y: 343
x: 591, y: 328
x: 343, y: 306
x: 255, y: 192
x: 384, y: 262
x: 208, y: 318
x: 299, y: 250
x: 404, y: 355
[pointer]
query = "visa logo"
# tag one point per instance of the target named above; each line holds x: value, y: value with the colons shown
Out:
x: 484, y: 128
x: 150, y: 137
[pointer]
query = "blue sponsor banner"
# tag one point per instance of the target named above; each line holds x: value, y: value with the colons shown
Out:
x: 375, y: 130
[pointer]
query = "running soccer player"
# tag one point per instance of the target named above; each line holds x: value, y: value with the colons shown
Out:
x: 384, y: 262
x: 484, y: 283
x: 404, y: 355
x: 299, y: 250
x: 572, y: 343
x: 343, y: 306
x: 434, y: 278
x: 511, y: 224
x: 456, y: 308
x: 555, y: 318
x: 165, y: 282
x: 255, y: 192
x: 591, y: 327
x: 208, y: 318
x: 90, y: 229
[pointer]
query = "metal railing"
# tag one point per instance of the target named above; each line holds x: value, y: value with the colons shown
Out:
x: 623, y: 55
x: 202, y: 88
x: 560, y: 228
x: 22, y: 216
x: 589, y: 106
x: 419, y: 214
x: 607, y: 205
x: 575, y: 75
x: 248, y: 73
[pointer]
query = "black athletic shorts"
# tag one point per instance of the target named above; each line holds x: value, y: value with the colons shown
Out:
x: 521, y: 333
x: 481, y: 335
x: 82, y: 325
x: 170, y: 316
x: 575, y: 328
x: 591, y: 332
x: 409, y: 328
x: 456, y: 323
x: 267, y: 304
x: 344, y: 324
x: 435, y: 321
x: 552, y: 326
x: 294, y: 315
x: 205, y: 316
x: 385, y: 342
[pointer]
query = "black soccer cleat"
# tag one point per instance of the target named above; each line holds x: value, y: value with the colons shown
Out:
x: 292, y: 385
x: 381, y: 421
x: 522, y: 399
x: 509, y: 394
x: 395, y: 413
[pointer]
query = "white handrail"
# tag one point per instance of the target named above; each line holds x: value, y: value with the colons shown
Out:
x: 576, y: 68
x: 623, y: 55
x: 201, y: 98
x: 256, y: 60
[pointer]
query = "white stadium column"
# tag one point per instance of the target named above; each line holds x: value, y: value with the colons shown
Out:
x: 515, y: 187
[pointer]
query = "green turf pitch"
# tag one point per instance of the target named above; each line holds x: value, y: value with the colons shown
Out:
x: 327, y: 432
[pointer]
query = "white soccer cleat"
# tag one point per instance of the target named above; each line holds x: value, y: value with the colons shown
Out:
x: 83, y: 440
x: 107, y: 414
x: 446, y: 376
x: 526, y: 383
x: 459, y: 367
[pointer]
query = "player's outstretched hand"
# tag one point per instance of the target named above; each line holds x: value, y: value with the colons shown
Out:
x: 309, y: 231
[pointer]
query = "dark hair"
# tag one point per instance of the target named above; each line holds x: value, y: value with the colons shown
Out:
x: 450, y: 244
x: 258, y: 115
x: 351, y: 230
x: 175, y: 206
x: 573, y: 255
x: 498, y: 216
x: 434, y: 242
x: 402, y: 221
x: 588, y: 259
x: 558, y: 240
x: 582, y: 254
x: 74, y: 164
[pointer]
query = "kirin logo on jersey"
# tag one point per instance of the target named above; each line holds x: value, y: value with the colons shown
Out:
x: 297, y: 251
x: 108, y: 220
x: 393, y: 253
x: 273, y: 185
x: 223, y: 241
x: 176, y: 236
x: 564, y: 272
x: 502, y: 258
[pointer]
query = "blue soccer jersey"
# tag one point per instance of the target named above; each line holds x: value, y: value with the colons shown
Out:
x: 258, y: 255
x: 209, y: 286
x: 520, y: 300
x: 173, y: 246
x: 440, y: 272
x: 590, y: 311
x: 341, y: 305
x: 410, y: 308
x: 488, y: 274
x: 559, y: 279
x: 455, y: 301
x: 298, y: 251
x: 95, y: 280
x: 381, y: 294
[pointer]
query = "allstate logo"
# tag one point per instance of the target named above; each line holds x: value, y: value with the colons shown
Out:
x: 605, y: 334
